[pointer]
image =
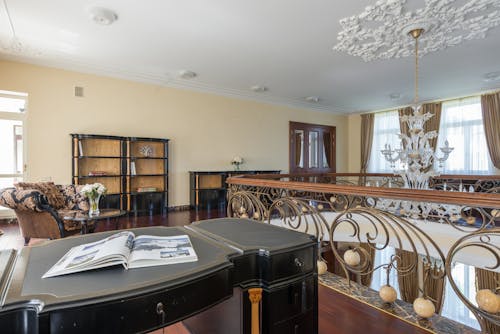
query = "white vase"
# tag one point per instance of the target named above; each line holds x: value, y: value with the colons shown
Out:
x: 94, y: 206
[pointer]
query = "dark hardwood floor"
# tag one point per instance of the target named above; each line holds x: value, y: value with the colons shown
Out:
x: 338, y: 314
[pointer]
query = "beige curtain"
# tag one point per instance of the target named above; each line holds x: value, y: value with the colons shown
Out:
x: 367, y: 121
x: 433, y: 123
x: 403, y: 127
x: 487, y: 279
x: 490, y: 105
x: 408, y: 283
x: 366, y: 280
x: 434, y: 287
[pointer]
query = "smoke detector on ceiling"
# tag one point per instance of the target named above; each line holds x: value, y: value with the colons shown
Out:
x: 395, y: 96
x: 185, y: 74
x: 102, y: 16
x: 312, y: 99
x: 492, y: 76
x: 258, y: 88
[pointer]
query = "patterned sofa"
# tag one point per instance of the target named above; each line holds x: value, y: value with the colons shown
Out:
x: 41, y: 207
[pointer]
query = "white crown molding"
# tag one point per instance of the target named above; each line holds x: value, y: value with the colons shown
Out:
x: 173, y: 82
x: 446, y: 25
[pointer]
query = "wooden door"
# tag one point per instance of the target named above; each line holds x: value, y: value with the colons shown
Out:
x: 312, y: 148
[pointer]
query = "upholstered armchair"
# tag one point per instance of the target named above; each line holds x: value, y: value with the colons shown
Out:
x: 41, y: 207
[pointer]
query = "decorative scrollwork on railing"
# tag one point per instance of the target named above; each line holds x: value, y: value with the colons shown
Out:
x: 379, y: 230
x: 486, y: 244
x: 300, y: 215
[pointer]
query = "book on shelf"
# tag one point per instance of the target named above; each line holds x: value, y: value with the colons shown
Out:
x: 124, y: 248
x: 80, y: 148
x: 97, y: 173
x: 146, y: 189
x: 132, y: 168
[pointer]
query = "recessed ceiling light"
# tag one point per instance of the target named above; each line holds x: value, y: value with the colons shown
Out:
x: 395, y: 96
x: 258, y: 88
x: 102, y: 16
x: 312, y: 99
x: 185, y: 74
x: 492, y: 76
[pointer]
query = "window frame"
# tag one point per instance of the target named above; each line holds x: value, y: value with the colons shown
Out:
x: 22, y: 117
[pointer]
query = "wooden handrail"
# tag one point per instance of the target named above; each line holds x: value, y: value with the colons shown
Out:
x: 486, y: 200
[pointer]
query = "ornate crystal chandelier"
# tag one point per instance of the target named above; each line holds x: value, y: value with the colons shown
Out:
x: 416, y: 155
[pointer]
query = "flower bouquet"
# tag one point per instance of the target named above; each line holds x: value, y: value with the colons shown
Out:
x: 236, y: 162
x: 94, y: 192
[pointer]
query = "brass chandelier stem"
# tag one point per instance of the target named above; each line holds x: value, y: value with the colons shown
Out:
x: 415, y: 33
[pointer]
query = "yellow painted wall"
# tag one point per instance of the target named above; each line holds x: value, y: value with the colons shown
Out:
x: 206, y: 130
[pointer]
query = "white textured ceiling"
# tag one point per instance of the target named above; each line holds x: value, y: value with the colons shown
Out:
x: 284, y: 45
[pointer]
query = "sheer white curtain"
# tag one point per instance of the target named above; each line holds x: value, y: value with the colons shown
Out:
x: 462, y: 125
x: 385, y: 131
x: 379, y: 277
x: 453, y: 308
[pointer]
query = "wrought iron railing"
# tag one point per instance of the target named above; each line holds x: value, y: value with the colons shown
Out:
x: 370, y: 212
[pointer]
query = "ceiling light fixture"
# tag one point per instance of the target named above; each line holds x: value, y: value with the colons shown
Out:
x: 185, y: 74
x: 313, y: 99
x: 395, y: 96
x: 416, y: 156
x: 259, y: 89
x: 492, y: 76
x: 102, y: 16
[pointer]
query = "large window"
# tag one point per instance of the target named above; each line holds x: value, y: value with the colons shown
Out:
x: 385, y: 131
x: 462, y: 125
x: 12, y: 153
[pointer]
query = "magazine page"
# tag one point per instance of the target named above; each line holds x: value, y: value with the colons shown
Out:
x: 150, y: 250
x: 110, y: 251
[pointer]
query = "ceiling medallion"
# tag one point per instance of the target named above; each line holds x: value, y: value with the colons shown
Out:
x: 380, y: 31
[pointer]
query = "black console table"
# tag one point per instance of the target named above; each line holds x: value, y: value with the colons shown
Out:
x: 235, y: 256
x: 208, y: 189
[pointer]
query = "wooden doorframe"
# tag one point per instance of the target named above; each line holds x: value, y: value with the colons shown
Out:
x: 307, y: 127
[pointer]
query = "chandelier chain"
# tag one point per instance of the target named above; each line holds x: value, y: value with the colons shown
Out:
x: 416, y: 70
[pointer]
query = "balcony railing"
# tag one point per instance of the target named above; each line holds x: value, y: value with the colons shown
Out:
x: 357, y: 215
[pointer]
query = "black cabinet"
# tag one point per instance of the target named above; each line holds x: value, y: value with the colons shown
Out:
x: 208, y: 189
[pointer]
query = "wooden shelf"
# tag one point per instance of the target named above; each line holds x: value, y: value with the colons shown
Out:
x: 118, y: 157
x: 208, y: 189
x: 94, y: 176
x: 99, y: 157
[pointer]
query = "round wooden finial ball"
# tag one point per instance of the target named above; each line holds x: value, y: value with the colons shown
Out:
x: 332, y: 199
x: 320, y: 206
x: 352, y: 258
x: 424, y: 307
x: 388, y: 294
x: 322, y: 267
x: 304, y: 209
x: 488, y: 301
x: 495, y: 213
x: 471, y: 220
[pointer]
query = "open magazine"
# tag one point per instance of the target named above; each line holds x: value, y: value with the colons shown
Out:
x: 126, y: 249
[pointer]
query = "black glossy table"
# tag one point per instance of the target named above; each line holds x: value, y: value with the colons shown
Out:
x: 211, y: 295
x: 84, y: 218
